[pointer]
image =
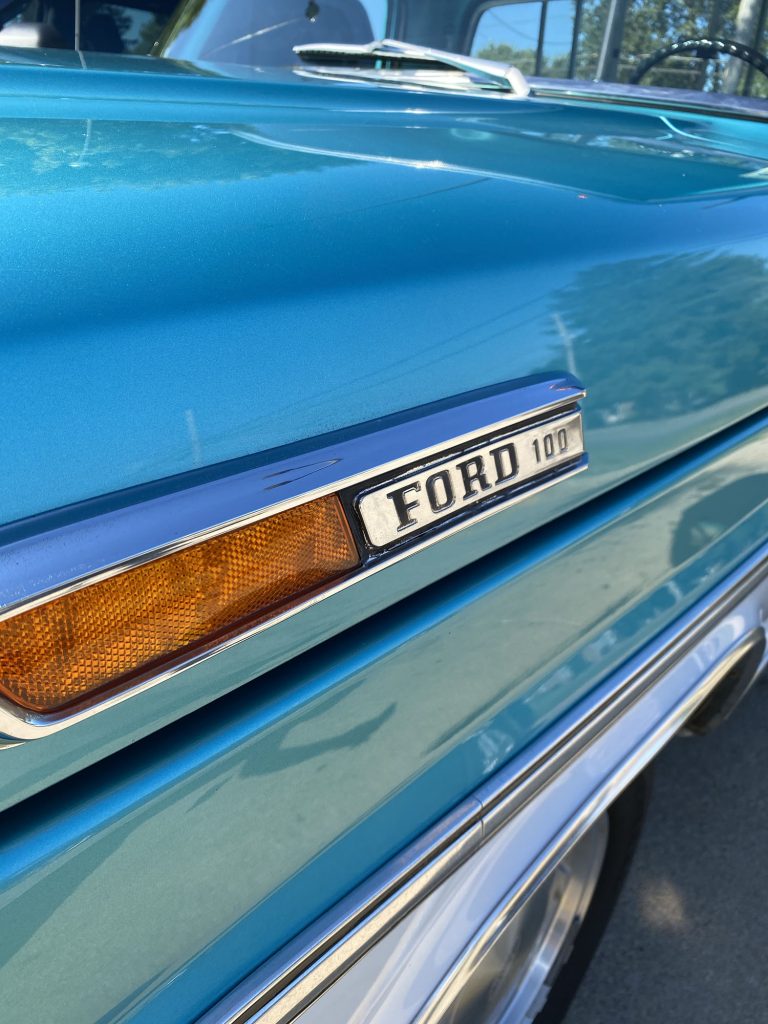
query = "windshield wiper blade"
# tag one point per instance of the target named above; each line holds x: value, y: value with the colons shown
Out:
x: 392, y: 60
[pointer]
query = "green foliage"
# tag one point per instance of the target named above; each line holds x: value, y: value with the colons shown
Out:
x: 651, y: 25
x: 525, y: 60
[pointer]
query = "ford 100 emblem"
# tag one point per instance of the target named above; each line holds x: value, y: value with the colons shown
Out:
x: 459, y: 483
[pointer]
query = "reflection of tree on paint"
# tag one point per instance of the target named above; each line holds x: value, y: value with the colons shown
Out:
x: 138, y: 29
x: 631, y: 326
x: 93, y: 154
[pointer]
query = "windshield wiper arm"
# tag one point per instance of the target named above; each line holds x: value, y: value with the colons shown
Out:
x: 389, y: 58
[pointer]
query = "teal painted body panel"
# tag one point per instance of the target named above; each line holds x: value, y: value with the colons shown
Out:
x: 198, y: 269
x: 143, y: 892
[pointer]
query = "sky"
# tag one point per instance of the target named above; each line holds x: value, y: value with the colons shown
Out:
x: 516, y: 24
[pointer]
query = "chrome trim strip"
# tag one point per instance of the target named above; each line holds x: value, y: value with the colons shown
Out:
x: 67, y: 558
x: 684, y: 100
x: 276, y: 992
x: 63, y: 559
x: 607, y: 791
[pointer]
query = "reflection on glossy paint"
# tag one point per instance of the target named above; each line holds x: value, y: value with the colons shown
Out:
x: 286, y: 281
x: 38, y: 156
x: 290, y: 753
x: 554, y: 149
x: 705, y: 520
x: 664, y: 337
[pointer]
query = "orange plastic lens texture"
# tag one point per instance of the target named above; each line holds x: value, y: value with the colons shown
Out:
x: 61, y: 652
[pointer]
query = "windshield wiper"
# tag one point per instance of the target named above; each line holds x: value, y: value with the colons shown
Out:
x: 393, y: 61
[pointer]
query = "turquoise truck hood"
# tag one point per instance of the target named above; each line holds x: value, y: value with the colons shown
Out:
x: 198, y: 267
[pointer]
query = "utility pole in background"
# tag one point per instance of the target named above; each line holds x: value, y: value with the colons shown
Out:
x: 608, y: 63
x: 747, y: 20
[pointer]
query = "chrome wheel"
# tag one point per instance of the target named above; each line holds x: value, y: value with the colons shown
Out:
x: 506, y: 974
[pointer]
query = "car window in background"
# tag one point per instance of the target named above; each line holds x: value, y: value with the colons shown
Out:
x: 253, y: 32
x: 103, y: 27
x: 122, y: 28
x: 261, y: 33
x: 536, y: 37
x: 688, y: 46
x: 567, y: 39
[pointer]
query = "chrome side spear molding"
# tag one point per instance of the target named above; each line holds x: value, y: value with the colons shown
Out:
x: 394, y: 61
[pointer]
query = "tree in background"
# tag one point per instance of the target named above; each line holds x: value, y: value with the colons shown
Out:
x: 650, y: 25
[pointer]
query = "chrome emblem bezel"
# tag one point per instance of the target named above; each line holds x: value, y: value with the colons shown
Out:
x: 461, y: 482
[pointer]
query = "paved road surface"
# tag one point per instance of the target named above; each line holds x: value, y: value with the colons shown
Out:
x: 689, y: 938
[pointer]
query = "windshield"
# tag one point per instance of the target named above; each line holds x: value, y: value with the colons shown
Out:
x: 707, y: 45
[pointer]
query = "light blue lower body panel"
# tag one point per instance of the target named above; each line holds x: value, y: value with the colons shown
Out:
x: 144, y: 888
x: 416, y: 941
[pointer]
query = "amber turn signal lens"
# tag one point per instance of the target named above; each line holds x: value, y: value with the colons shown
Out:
x: 108, y: 633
